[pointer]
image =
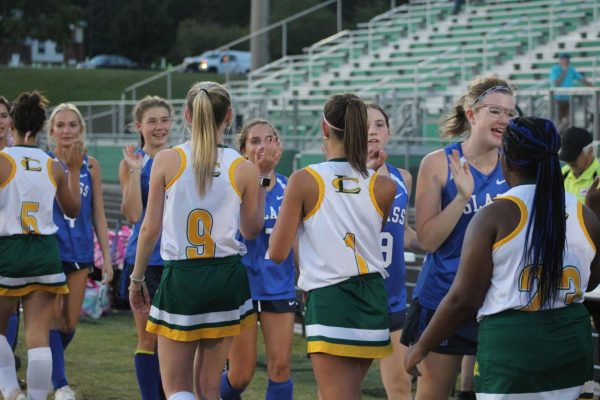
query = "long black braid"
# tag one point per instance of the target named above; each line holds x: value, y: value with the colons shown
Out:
x: 531, y: 145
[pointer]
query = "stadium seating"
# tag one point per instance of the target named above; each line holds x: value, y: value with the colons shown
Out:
x: 422, y: 51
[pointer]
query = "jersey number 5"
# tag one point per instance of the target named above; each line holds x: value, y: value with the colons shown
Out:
x: 28, y: 221
x: 199, y: 227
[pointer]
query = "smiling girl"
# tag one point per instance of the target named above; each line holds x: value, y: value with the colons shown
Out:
x: 271, y: 285
x: 152, y: 116
x: 75, y: 238
x: 452, y: 185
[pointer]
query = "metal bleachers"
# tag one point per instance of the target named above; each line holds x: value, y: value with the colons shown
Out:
x: 419, y: 50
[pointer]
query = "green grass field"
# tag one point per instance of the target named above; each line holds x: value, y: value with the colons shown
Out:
x: 70, y: 84
x: 99, y: 363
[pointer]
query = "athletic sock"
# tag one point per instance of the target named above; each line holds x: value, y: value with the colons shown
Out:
x: 280, y: 390
x: 66, y: 337
x: 8, y: 374
x: 466, y: 395
x: 228, y: 392
x: 59, y: 377
x: 147, y: 371
x: 182, y: 396
x: 39, y: 371
x: 12, y: 330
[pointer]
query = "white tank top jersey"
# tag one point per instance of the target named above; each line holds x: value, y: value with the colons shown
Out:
x: 341, y: 237
x: 27, y: 198
x: 202, y: 227
x: 509, y: 288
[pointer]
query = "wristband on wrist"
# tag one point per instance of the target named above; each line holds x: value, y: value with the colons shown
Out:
x: 140, y: 281
x: 135, y: 170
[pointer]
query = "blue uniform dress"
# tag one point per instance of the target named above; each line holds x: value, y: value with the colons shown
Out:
x: 75, y: 238
x: 268, y: 280
x: 392, y: 247
x: 439, y: 267
x: 152, y: 274
x: 76, y: 235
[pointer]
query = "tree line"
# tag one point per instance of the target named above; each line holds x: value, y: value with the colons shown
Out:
x: 148, y: 30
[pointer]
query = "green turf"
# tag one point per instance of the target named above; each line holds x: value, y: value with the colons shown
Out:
x: 70, y: 84
x: 99, y: 363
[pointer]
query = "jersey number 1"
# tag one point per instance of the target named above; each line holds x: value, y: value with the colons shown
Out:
x: 350, y: 241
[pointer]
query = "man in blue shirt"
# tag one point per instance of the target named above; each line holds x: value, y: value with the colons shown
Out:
x: 564, y: 75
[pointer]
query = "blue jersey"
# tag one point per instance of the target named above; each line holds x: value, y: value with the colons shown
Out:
x: 268, y: 280
x: 439, y: 267
x: 75, y: 235
x: 392, y: 245
x: 155, y: 258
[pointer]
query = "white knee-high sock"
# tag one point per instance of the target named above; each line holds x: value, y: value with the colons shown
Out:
x: 182, y: 396
x: 39, y: 372
x: 8, y: 373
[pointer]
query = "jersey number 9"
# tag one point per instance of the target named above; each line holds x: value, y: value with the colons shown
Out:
x: 199, y: 227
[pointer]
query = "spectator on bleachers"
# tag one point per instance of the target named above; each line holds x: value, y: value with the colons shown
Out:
x: 457, y: 6
x: 564, y: 75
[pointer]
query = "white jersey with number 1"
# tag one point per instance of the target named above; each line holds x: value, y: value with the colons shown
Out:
x: 202, y: 227
x: 341, y: 237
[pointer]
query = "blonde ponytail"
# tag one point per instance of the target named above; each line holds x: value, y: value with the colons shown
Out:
x: 208, y: 103
x: 204, y: 131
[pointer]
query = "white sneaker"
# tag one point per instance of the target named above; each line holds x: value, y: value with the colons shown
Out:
x: 64, y: 393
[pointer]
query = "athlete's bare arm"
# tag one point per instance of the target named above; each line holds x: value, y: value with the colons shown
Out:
x: 67, y: 185
x: 384, y: 190
x: 247, y: 174
x: 130, y: 169
x: 433, y: 224
x: 6, y: 169
x: 301, y: 195
x: 472, y: 281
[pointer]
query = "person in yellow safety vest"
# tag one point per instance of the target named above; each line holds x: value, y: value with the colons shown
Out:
x: 579, y: 172
x: 582, y: 166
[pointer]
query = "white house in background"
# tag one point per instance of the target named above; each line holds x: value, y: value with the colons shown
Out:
x: 45, y: 51
x: 35, y: 51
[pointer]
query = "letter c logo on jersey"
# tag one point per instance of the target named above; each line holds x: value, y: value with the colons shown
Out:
x: 345, y: 184
x: 31, y: 164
